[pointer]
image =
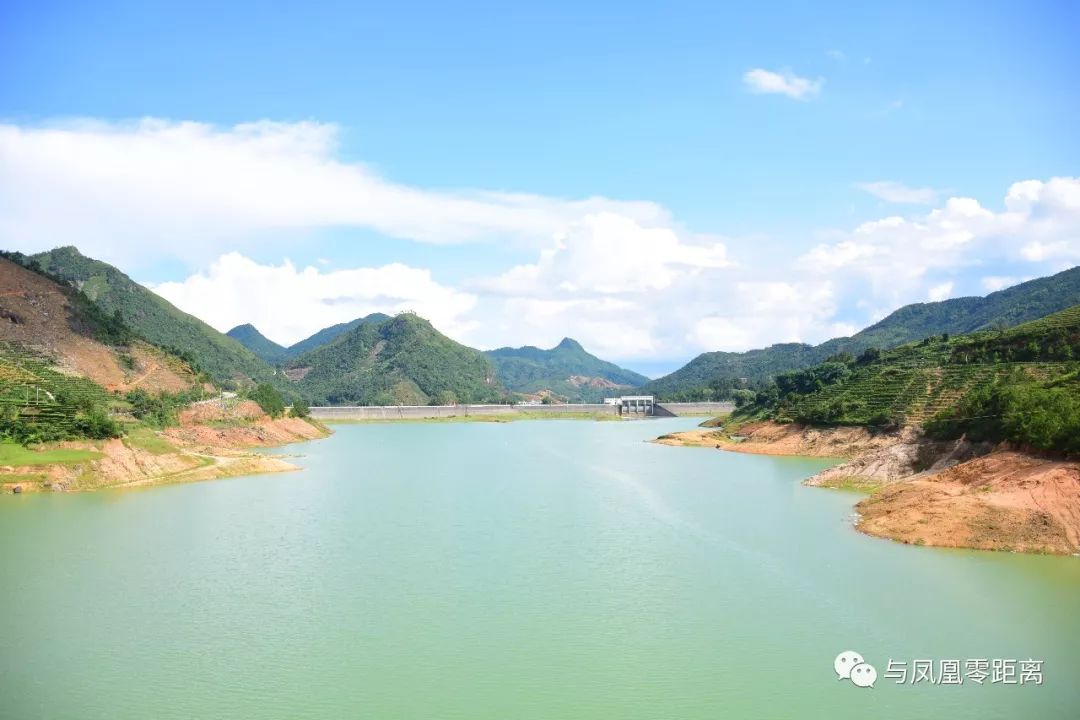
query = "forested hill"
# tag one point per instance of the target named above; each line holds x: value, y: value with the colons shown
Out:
x: 566, y: 370
x: 716, y: 374
x: 268, y: 350
x: 1020, y: 384
x: 329, y: 334
x: 263, y: 347
x: 66, y: 367
x: 155, y: 318
x: 402, y: 360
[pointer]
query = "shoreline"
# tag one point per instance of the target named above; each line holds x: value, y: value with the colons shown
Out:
x: 191, y: 452
x: 921, y: 492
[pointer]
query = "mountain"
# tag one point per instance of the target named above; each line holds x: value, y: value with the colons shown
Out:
x: 402, y: 360
x: 62, y: 359
x: 269, y: 351
x: 154, y: 318
x: 1021, y: 384
x: 566, y: 370
x: 716, y: 373
x: 263, y: 347
x: 327, y: 335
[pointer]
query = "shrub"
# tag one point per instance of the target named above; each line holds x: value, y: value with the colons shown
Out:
x: 268, y: 399
x: 96, y: 425
x: 300, y: 409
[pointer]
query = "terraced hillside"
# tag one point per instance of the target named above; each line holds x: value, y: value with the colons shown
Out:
x: 715, y: 375
x: 34, y: 394
x: 65, y: 365
x: 918, y: 382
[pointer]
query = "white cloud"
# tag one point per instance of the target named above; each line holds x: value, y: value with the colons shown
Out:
x: 895, y: 192
x: 896, y: 259
x: 609, y: 254
x: 993, y: 283
x: 940, y: 292
x: 761, y: 81
x: 837, y: 55
x: 155, y: 188
x: 630, y: 289
x: 627, y: 290
x: 622, y: 277
x: 287, y: 303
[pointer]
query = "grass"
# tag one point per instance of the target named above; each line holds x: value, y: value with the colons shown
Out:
x: 17, y: 455
x: 145, y: 438
x: 852, y: 483
x: 23, y: 478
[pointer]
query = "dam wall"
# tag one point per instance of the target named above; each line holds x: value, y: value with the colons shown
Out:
x: 425, y: 412
x: 712, y: 409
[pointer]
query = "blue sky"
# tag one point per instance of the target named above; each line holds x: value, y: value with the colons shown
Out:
x: 624, y: 103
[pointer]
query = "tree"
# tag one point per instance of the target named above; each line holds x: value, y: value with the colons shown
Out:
x: 300, y: 409
x: 268, y: 399
x: 868, y: 356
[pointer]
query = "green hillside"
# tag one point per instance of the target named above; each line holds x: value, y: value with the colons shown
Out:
x: 717, y: 374
x: 566, y: 370
x: 263, y: 347
x: 327, y: 335
x: 1020, y: 384
x: 270, y: 352
x: 402, y: 360
x: 154, y: 318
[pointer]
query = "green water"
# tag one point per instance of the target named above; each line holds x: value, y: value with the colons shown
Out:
x: 555, y: 569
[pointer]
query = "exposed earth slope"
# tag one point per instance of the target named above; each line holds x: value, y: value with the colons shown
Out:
x: 50, y: 325
x: 155, y: 319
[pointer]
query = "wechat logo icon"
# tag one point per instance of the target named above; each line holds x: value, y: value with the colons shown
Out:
x: 850, y: 665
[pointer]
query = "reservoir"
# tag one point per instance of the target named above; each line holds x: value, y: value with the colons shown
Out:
x: 551, y: 569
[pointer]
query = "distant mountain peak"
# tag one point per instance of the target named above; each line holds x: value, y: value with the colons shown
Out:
x: 266, y: 349
x: 567, y: 370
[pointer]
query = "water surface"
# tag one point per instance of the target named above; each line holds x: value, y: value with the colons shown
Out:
x: 548, y: 569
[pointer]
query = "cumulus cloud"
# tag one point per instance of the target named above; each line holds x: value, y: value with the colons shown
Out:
x: 993, y: 283
x: 767, y: 82
x: 610, y: 254
x: 287, y: 303
x: 940, y: 292
x: 182, y: 189
x: 622, y: 277
x: 628, y: 289
x: 897, y: 257
x: 894, y: 192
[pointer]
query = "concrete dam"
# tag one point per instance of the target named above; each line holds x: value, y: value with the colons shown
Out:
x: 424, y: 412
